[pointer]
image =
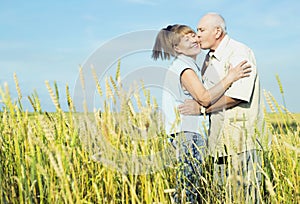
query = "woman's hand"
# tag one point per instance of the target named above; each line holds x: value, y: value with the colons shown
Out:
x: 240, y: 71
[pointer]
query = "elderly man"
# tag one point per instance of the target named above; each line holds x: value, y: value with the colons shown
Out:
x: 237, y: 128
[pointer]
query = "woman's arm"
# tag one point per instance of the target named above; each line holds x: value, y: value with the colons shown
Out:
x: 194, y: 86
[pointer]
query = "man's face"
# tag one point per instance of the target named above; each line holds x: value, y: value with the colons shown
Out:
x: 206, y: 34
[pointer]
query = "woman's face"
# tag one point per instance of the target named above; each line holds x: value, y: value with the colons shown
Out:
x: 188, y: 45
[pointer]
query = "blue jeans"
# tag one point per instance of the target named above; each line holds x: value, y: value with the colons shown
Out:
x: 190, y: 152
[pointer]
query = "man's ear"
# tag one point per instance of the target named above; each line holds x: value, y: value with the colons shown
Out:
x: 219, y: 32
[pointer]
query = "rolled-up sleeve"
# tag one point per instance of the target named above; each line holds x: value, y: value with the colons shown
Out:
x: 243, y: 88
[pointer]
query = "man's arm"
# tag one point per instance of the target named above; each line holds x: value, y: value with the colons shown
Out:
x: 223, y: 102
x: 191, y: 107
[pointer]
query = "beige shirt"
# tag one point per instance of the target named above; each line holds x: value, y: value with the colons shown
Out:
x: 240, y: 128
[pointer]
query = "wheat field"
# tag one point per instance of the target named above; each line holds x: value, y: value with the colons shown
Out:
x: 52, y: 157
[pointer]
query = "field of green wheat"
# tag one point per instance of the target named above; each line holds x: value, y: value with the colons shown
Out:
x: 52, y: 157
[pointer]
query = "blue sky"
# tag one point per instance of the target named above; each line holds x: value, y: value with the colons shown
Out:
x: 49, y: 40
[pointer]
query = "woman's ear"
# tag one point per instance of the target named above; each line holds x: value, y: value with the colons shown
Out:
x: 177, y: 49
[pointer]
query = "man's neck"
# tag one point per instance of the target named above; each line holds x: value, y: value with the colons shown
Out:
x: 219, y: 40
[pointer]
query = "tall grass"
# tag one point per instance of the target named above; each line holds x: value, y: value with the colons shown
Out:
x: 59, y: 157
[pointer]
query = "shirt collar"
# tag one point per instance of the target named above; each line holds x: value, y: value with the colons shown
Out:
x: 189, y: 60
x: 219, y: 52
x: 186, y: 58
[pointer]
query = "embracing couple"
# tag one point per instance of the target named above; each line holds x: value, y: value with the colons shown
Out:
x: 214, y: 109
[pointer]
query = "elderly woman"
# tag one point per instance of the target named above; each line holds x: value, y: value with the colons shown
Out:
x: 183, y: 81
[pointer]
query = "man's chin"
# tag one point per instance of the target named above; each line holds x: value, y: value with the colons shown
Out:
x: 203, y: 47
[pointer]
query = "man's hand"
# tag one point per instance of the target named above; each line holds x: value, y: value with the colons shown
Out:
x: 189, y: 107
